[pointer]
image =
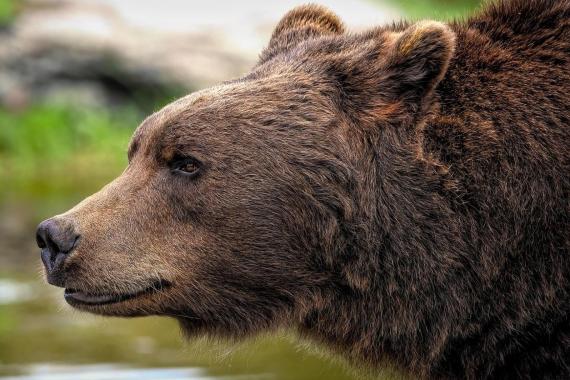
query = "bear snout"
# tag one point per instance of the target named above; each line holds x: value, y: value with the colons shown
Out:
x: 56, y: 238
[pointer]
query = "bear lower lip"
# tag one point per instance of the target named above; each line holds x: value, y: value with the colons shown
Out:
x: 89, y: 298
x: 78, y: 297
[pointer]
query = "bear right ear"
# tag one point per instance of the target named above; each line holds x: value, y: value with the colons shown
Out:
x: 301, y: 23
x: 418, y: 61
x: 395, y: 76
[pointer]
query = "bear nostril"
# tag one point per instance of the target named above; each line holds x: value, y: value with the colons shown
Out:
x: 40, y: 240
x: 56, y: 235
x: 44, y: 241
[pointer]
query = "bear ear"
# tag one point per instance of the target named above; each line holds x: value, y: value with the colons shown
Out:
x: 417, y: 60
x: 301, y: 23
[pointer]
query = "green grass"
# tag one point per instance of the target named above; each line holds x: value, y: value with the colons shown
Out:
x: 7, y: 11
x: 435, y: 9
x: 57, y: 149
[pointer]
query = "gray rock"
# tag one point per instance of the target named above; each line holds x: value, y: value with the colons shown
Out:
x: 107, y: 52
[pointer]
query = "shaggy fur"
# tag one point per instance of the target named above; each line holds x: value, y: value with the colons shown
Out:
x: 400, y: 195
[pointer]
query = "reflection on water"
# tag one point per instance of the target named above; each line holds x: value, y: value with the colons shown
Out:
x: 41, y: 337
x: 104, y: 372
x: 118, y: 372
x: 11, y: 292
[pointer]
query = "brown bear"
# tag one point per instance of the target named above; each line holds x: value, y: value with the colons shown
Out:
x: 400, y: 195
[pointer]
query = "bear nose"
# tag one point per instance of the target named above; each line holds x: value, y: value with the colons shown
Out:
x: 56, y: 238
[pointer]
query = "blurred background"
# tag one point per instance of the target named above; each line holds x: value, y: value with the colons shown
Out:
x: 76, y: 78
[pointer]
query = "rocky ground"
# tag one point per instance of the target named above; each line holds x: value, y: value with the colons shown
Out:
x: 108, y: 52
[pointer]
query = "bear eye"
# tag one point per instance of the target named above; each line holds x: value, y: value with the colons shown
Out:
x: 188, y: 167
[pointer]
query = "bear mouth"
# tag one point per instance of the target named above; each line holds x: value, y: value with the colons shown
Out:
x: 77, y: 297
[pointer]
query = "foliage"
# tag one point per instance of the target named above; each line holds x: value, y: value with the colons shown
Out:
x: 49, y: 149
x: 437, y: 9
x: 7, y: 11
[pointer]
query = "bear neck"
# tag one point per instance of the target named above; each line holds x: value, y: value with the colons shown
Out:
x: 411, y: 295
x: 394, y: 312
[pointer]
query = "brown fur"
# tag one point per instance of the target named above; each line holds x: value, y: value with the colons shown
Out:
x: 400, y: 195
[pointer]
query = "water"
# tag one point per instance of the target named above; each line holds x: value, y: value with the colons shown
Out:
x: 42, y: 338
x: 115, y: 372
